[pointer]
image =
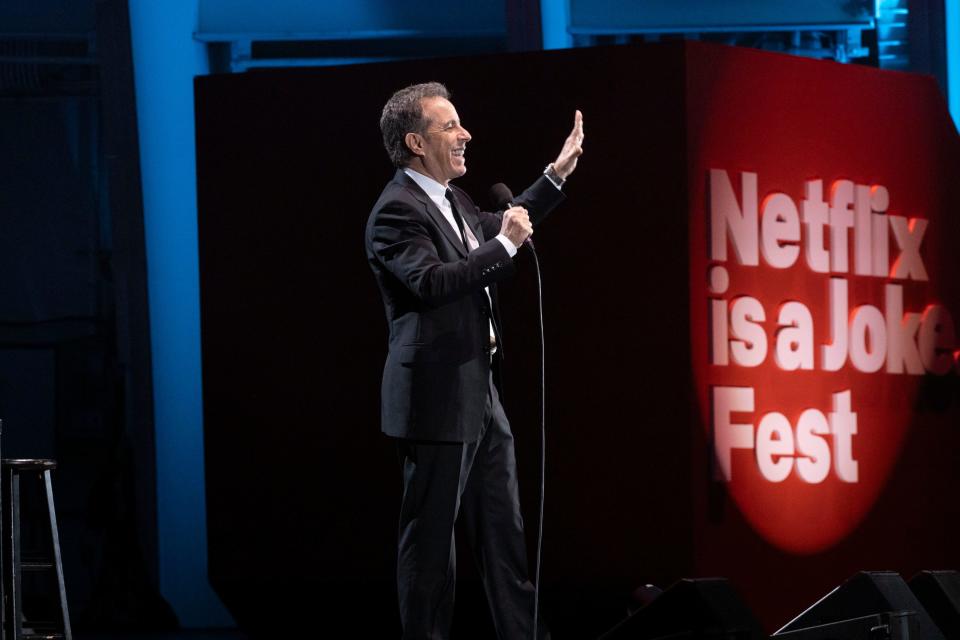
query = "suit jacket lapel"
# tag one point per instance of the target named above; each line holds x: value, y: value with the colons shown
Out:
x: 414, y: 189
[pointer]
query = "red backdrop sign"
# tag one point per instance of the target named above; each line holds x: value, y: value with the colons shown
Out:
x: 824, y: 278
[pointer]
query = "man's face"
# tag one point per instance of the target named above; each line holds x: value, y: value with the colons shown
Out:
x: 445, y: 141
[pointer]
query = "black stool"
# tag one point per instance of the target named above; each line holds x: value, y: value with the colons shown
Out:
x: 15, y: 625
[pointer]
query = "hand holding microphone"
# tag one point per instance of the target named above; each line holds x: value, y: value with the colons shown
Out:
x: 516, y: 225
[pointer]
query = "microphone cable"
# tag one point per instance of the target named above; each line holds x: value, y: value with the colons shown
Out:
x: 543, y: 441
x: 502, y: 197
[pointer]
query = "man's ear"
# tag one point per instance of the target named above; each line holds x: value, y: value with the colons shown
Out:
x: 414, y: 142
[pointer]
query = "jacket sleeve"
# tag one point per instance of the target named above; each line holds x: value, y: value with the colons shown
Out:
x: 538, y: 199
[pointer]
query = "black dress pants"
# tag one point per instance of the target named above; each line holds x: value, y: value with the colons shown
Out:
x: 476, y: 481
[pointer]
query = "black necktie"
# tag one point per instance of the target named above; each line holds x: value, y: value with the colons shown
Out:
x: 459, y: 219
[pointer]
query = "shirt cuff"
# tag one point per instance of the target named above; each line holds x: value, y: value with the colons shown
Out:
x: 551, y: 174
x: 509, y: 246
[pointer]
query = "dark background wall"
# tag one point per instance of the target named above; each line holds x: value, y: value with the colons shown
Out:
x: 289, y: 164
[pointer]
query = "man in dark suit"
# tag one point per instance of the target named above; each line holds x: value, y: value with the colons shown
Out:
x: 436, y: 257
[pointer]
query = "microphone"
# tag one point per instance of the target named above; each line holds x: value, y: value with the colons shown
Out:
x: 502, y: 198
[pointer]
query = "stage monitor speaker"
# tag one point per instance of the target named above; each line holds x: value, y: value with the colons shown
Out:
x: 866, y: 594
x: 706, y: 608
x: 897, y: 625
x: 939, y: 593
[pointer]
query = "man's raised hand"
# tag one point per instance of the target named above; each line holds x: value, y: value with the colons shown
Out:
x: 572, y: 149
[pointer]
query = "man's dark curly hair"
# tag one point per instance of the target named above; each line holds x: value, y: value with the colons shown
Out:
x: 403, y: 114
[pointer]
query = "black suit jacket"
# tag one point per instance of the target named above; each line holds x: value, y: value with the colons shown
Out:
x: 436, y: 377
